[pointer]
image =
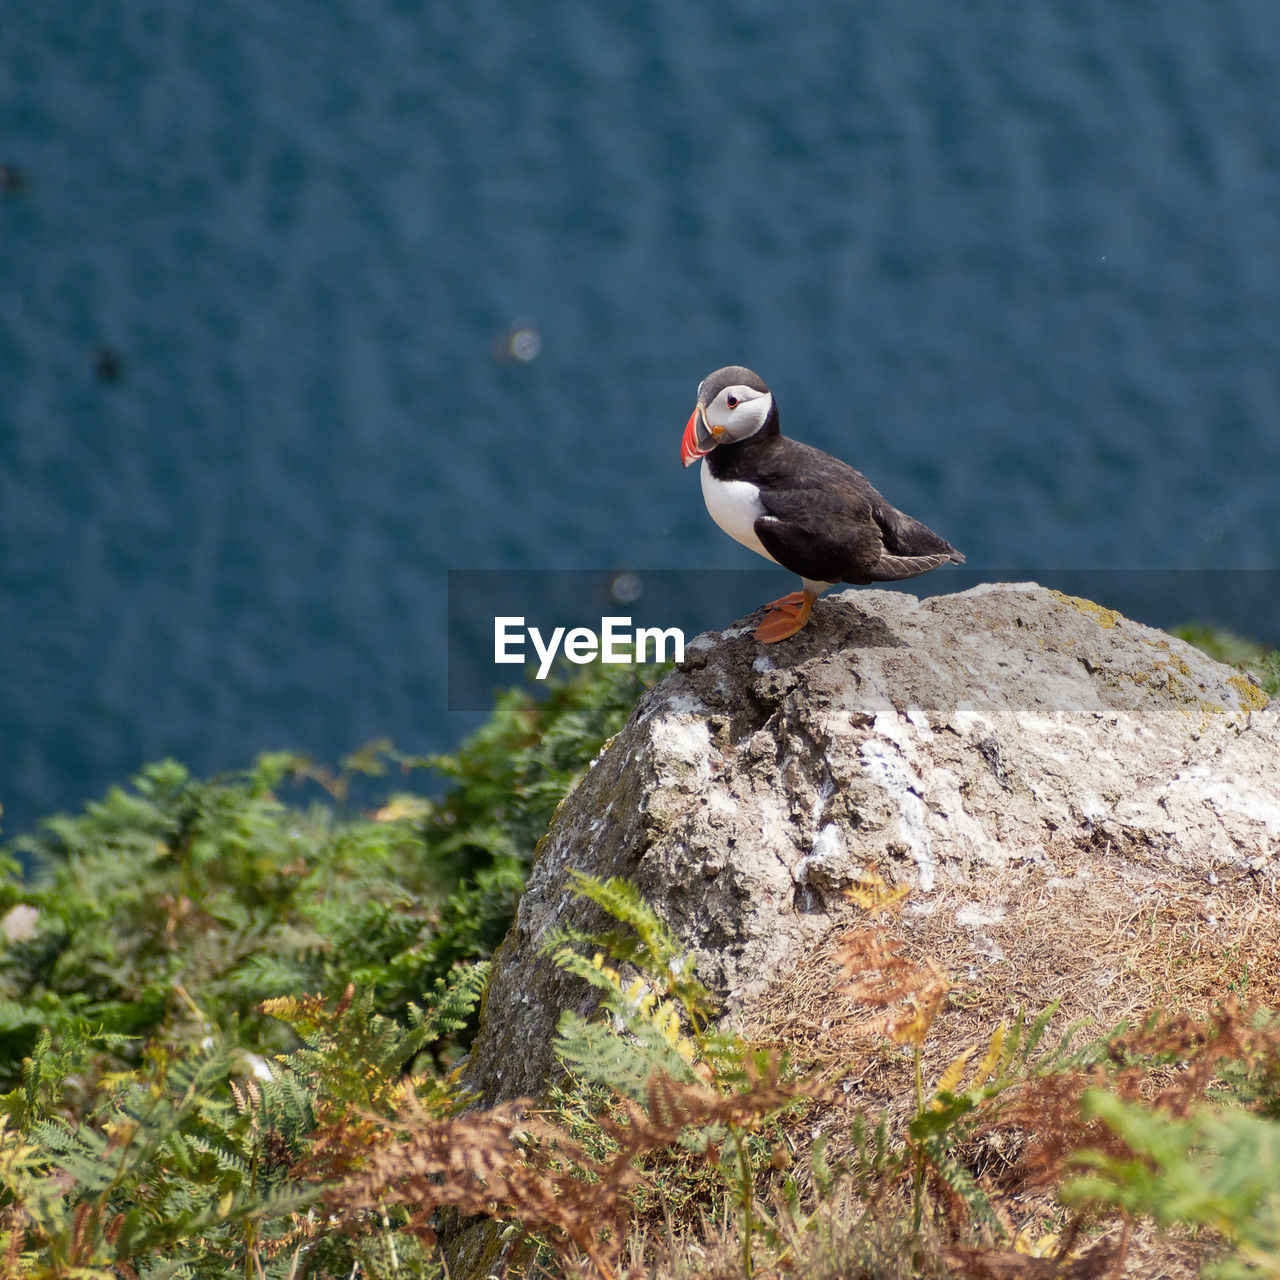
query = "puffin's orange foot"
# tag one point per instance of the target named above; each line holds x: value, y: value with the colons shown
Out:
x: 785, y: 618
x: 796, y: 598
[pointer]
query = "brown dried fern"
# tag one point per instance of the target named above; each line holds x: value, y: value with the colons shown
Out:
x: 878, y: 976
x: 13, y: 1227
x: 1169, y: 1065
x: 1049, y: 1107
x: 509, y: 1163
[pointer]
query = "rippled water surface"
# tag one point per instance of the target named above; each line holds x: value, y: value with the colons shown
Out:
x: 268, y: 271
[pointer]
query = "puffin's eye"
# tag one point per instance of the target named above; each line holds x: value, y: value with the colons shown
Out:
x: 731, y: 401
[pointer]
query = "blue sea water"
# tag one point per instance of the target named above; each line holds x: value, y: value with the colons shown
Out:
x: 272, y: 272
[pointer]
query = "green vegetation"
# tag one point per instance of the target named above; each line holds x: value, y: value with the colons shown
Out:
x: 1216, y: 1169
x: 229, y: 1027
x: 171, y: 909
x: 1224, y: 646
x: 162, y: 1070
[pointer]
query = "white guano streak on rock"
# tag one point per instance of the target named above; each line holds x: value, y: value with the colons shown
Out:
x: 775, y: 833
x: 1245, y: 799
x: 681, y: 746
x: 914, y: 781
x: 720, y: 801
x: 886, y: 767
x: 943, y: 790
x: 1090, y: 805
x: 965, y: 720
x: 829, y: 847
x: 825, y: 792
x: 683, y: 704
x: 918, y: 717
x: 1039, y: 733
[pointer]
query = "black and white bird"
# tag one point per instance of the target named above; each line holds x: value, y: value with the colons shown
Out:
x: 795, y: 505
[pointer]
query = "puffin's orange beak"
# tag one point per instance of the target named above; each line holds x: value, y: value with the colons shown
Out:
x: 698, y: 440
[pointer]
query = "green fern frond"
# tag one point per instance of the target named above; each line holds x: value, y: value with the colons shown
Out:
x: 169, y: 1269
x: 286, y: 1102
x: 451, y: 1003
x: 1035, y: 1033
x: 644, y: 940
x: 226, y: 1159
x: 1218, y: 1169
x: 356, y: 1055
x: 598, y: 1054
x: 654, y: 946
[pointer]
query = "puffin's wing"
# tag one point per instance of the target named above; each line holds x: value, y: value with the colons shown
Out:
x: 839, y: 528
x: 817, y: 540
x: 910, y: 548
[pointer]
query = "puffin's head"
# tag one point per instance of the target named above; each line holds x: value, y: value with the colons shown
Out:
x: 733, y: 403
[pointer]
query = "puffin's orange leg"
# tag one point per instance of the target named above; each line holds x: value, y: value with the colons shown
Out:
x: 795, y: 598
x: 786, y: 617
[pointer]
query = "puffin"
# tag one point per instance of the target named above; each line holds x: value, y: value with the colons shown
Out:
x: 794, y: 504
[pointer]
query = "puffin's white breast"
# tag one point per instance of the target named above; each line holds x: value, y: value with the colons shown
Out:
x: 735, y: 506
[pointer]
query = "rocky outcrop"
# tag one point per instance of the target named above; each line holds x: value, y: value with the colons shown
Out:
x: 1009, y: 752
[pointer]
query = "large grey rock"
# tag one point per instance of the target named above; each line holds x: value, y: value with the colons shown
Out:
x: 963, y: 740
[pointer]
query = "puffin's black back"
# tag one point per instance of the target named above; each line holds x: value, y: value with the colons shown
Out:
x: 824, y: 520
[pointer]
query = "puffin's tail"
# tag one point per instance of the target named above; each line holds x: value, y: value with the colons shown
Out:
x: 894, y: 568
